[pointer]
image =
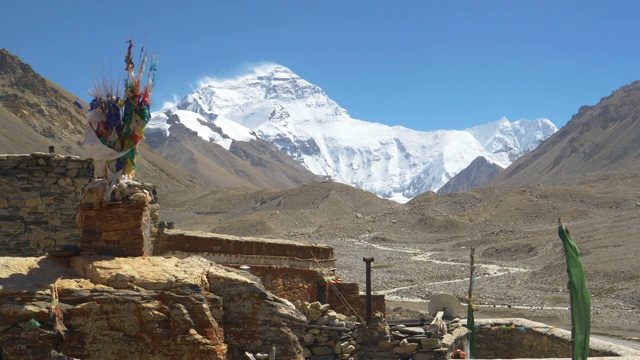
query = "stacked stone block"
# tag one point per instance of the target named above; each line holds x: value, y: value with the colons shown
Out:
x: 120, y: 227
x: 38, y: 198
x: 426, y: 342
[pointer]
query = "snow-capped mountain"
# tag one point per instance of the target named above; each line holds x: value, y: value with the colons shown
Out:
x: 510, y: 140
x: 297, y: 117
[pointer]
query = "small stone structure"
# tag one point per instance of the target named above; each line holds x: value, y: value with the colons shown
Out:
x: 39, y: 193
x: 296, y: 271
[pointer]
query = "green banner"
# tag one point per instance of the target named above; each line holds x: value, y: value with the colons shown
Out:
x: 579, y: 296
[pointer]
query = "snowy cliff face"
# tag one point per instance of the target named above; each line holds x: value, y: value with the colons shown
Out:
x: 510, y: 140
x: 398, y: 163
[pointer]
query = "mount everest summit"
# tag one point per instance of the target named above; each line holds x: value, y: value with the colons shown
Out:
x: 274, y: 104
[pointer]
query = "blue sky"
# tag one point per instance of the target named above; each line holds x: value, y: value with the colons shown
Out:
x: 425, y: 65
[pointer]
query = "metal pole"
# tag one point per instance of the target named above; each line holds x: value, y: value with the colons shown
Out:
x: 368, y: 261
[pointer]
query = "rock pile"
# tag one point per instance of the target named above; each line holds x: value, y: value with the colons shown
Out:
x: 100, y: 191
x: 428, y: 342
x: 329, y: 335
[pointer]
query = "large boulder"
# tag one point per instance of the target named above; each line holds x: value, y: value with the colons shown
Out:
x: 256, y: 320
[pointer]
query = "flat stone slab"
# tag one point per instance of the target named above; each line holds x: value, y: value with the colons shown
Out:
x: 412, y: 330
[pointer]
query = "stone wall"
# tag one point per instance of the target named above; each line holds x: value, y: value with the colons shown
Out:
x: 201, y: 242
x: 521, y: 338
x: 330, y: 335
x: 38, y: 196
x: 289, y: 283
x: 304, y: 285
x: 289, y: 269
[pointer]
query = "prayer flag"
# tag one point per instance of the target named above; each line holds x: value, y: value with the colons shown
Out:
x: 579, y: 296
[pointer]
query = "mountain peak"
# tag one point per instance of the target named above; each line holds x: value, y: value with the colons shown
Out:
x: 268, y: 95
x: 272, y: 70
x: 12, y: 65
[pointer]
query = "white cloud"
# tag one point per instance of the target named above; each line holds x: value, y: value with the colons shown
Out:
x: 169, y: 104
x: 242, y: 71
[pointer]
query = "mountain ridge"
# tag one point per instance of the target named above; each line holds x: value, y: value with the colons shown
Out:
x: 298, y: 118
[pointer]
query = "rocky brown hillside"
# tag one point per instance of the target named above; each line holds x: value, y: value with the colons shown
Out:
x: 598, y: 139
x: 254, y: 164
x: 34, y: 110
x: 477, y: 173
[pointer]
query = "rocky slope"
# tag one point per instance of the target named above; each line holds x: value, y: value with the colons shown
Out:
x: 477, y: 173
x: 34, y: 110
x: 598, y: 139
x: 253, y: 163
x: 143, y: 308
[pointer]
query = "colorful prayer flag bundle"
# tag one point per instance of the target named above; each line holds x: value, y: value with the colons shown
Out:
x: 116, y: 123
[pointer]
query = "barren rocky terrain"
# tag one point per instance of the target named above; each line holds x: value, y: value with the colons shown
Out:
x: 422, y: 248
